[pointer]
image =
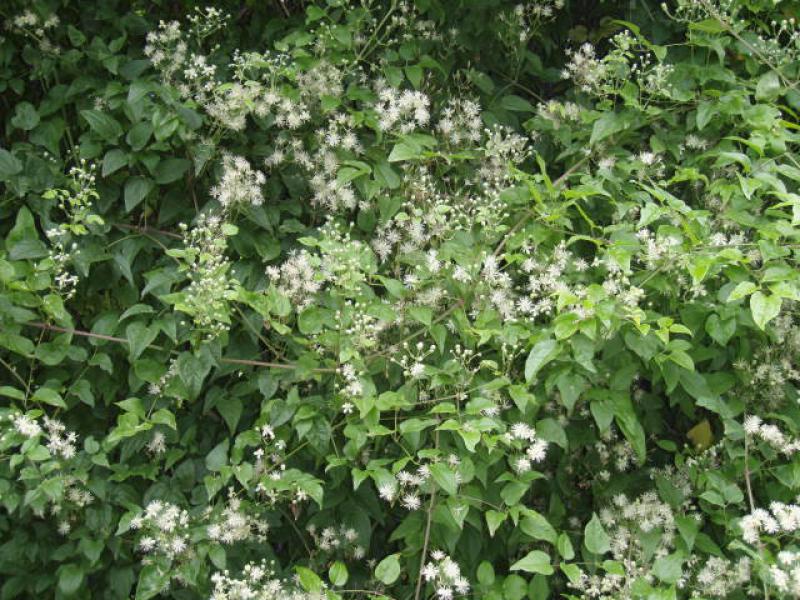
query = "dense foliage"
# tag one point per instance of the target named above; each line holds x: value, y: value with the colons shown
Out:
x: 403, y: 300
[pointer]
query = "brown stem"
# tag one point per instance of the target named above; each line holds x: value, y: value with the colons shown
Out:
x: 748, y: 485
x: 16, y: 375
x: 230, y: 361
x: 148, y: 230
x: 427, y: 536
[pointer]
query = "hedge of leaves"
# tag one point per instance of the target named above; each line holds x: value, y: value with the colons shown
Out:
x: 399, y: 299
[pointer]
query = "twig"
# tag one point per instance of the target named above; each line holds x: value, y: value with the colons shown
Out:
x: 368, y: 592
x: 284, y: 8
x: 16, y: 375
x: 230, y: 361
x: 148, y: 230
x: 748, y: 485
x: 427, y: 535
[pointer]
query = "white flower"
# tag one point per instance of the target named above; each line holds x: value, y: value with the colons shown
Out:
x: 752, y: 424
x: 386, y: 491
x: 417, y: 370
x: 411, y: 502
x: 430, y: 571
x: 26, y: 426
x: 240, y: 183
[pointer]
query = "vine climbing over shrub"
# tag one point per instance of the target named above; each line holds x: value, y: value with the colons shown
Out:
x: 401, y: 300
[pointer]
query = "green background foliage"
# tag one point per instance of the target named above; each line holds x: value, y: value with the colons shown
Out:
x: 663, y: 200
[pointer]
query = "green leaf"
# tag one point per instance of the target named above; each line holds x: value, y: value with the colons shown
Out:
x: 541, y: 354
x: 23, y: 241
x: 25, y: 116
x: 493, y: 520
x: 388, y: 570
x: 164, y: 416
x: 768, y: 87
x: 309, y: 580
x: 669, y: 568
x: 49, y: 396
x: 192, y: 370
x: 152, y: 580
x: 139, y: 337
x: 485, y: 573
x: 171, y: 169
x: 607, y: 125
x: 423, y: 314
x: 105, y: 126
x: 537, y: 526
x: 231, y: 411
x: 139, y: 135
x: 310, y: 320
x: 514, y: 587
x: 595, y: 537
x: 516, y: 103
x: 551, y: 430
x: 564, y: 545
x: 337, y: 574
x: 535, y: 561
x: 404, y: 151
x: 70, y: 578
x: 9, y: 165
x: 445, y: 478
x: 629, y: 423
x: 136, y: 189
x: 573, y: 572
x: 12, y: 392
x: 720, y: 330
x: 764, y: 308
x: 744, y: 288
x: 113, y: 161
x: 679, y: 357
x: 705, y: 112
x: 218, y: 457
x: 385, y: 175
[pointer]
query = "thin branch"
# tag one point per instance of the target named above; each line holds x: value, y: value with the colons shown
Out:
x: 427, y: 537
x: 230, y: 361
x: 16, y: 375
x: 148, y: 230
x: 425, y: 542
x: 748, y: 485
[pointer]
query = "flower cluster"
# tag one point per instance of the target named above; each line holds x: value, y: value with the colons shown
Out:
x: 257, y: 581
x: 778, y: 520
x: 627, y: 61
x: 339, y: 541
x: 536, y: 450
x: 38, y: 28
x: 631, y: 525
x: 444, y: 574
x: 771, y: 434
x: 233, y: 524
x: 720, y: 577
x: 60, y: 442
x: 401, y: 111
x: 240, y: 184
x: 210, y: 286
x: 164, y: 530
x: 76, y: 202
